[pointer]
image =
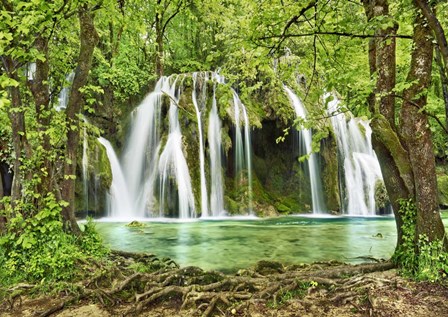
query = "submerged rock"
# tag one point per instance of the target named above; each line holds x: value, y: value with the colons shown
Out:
x: 136, y: 224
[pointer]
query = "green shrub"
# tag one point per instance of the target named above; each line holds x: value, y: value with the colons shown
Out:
x: 36, y: 248
x: 421, y: 260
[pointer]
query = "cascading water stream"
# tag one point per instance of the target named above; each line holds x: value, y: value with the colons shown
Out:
x: 215, y: 148
x: 96, y: 180
x: 154, y: 175
x: 243, y: 159
x: 85, y: 166
x: 239, y: 150
x: 142, y: 149
x: 361, y: 169
x: 65, y: 92
x: 204, y: 197
x: 120, y: 205
x: 248, y: 157
x: 172, y: 163
x: 313, y: 166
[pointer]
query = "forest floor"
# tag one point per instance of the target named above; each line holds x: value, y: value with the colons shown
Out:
x: 143, y: 285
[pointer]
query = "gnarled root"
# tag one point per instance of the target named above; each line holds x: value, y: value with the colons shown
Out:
x: 206, y: 293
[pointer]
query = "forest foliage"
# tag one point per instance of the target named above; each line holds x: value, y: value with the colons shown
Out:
x: 118, y: 48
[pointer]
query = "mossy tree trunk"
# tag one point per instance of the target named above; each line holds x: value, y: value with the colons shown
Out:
x: 16, y: 115
x: 89, y: 39
x: 159, y: 42
x: 417, y: 135
x: 385, y: 139
x: 430, y: 16
x: 41, y: 93
x: 429, y: 13
x: 406, y: 151
x: 443, y: 81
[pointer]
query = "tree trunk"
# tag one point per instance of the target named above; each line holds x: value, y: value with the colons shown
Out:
x: 395, y: 165
x: 442, y: 47
x: 89, y: 39
x: 19, y: 136
x: 443, y: 82
x: 436, y: 27
x: 417, y: 135
x: 41, y: 93
x: 382, y: 60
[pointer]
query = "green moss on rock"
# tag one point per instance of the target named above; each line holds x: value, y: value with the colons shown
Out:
x: 330, y: 171
x: 282, y: 208
x: 136, y: 224
x: 381, y: 197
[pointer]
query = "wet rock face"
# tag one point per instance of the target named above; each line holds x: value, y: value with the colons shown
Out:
x: 329, y: 155
x: 92, y: 201
x: 280, y: 180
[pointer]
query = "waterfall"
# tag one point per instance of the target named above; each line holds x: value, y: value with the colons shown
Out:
x: 120, y: 205
x: 157, y: 177
x: 85, y: 166
x: 239, y: 158
x: 204, y: 198
x: 172, y: 163
x: 248, y: 157
x: 65, y: 92
x: 96, y: 181
x: 214, y: 140
x: 361, y: 169
x: 140, y: 154
x: 243, y: 158
x: 313, y: 166
x: 30, y: 71
x: 152, y: 178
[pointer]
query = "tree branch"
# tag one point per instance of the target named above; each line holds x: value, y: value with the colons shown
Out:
x: 176, y: 12
x: 423, y: 110
x: 293, y: 20
x: 434, y: 23
x: 345, y: 34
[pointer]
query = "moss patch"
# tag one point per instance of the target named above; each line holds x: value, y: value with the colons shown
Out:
x: 136, y: 224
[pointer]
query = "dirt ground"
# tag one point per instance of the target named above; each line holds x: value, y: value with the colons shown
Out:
x: 313, y: 290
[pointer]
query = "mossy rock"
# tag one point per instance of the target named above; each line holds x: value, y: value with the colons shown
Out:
x: 265, y: 267
x: 230, y: 205
x: 136, y: 224
x: 265, y: 210
x: 283, y: 208
x: 381, y: 197
x: 293, y: 204
x: 99, y: 180
x: 330, y: 171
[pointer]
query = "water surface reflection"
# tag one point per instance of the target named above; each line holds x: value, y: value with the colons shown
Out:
x: 230, y: 244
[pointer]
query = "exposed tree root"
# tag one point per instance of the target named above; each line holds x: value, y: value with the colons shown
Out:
x: 209, y: 293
